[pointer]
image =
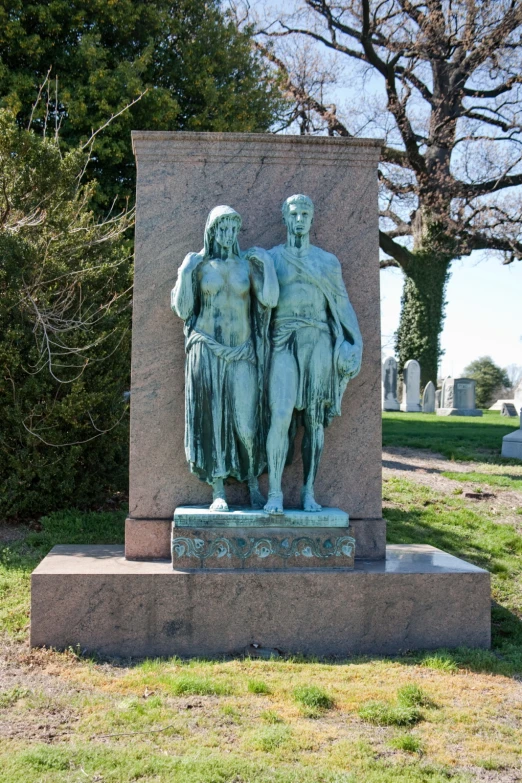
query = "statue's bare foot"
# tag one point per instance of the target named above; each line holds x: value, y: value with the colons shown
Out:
x: 219, y: 504
x: 308, y: 501
x: 256, y: 498
x: 274, y: 504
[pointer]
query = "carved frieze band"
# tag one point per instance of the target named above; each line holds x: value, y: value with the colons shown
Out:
x: 261, y: 548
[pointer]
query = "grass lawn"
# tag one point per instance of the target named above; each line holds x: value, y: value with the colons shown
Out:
x: 422, y: 717
x: 456, y: 437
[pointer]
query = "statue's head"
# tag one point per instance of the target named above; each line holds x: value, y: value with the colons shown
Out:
x: 298, y: 214
x: 223, y: 226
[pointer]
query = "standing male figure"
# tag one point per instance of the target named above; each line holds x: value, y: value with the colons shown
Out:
x: 316, y: 350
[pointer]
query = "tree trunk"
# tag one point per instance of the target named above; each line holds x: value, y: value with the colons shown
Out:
x: 422, y: 312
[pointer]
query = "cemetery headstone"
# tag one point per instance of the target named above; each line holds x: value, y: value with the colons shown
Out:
x: 458, y: 398
x: 508, y: 409
x: 517, y: 397
x: 206, y: 571
x: 428, y: 398
x: 389, y: 385
x: 512, y: 443
x: 411, y: 387
x: 438, y: 394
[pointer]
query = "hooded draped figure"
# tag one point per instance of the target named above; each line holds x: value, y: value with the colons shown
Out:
x: 225, y: 298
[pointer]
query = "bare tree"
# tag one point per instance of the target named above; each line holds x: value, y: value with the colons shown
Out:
x: 450, y: 75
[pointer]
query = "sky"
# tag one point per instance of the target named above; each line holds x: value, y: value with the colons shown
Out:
x: 483, y: 314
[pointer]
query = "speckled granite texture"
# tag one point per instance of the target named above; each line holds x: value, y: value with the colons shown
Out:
x: 181, y: 176
x: 418, y: 598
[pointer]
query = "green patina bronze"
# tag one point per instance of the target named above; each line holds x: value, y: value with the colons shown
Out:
x: 271, y: 341
x: 197, y: 516
x: 316, y: 350
x: 260, y: 548
x: 224, y: 296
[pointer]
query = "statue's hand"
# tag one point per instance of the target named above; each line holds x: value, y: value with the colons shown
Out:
x: 349, y: 362
x: 258, y: 254
x: 191, y: 261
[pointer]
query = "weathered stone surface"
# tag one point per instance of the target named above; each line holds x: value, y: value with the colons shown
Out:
x: 181, y: 176
x: 411, y: 387
x: 458, y: 398
x: 512, y: 443
x: 201, y: 516
x: 149, y: 539
x: 418, y: 598
x: 517, y: 397
x: 389, y: 385
x: 508, y: 409
x: 259, y: 547
x: 428, y: 398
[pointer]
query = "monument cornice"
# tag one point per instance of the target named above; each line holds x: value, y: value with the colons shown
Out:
x: 195, y: 147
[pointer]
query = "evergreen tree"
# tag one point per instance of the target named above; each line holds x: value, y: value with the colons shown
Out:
x: 95, y: 57
x: 65, y: 284
x: 490, y: 379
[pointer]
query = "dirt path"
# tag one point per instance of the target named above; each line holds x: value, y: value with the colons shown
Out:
x: 426, y: 468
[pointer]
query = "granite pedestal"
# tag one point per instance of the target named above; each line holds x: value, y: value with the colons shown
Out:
x: 418, y: 598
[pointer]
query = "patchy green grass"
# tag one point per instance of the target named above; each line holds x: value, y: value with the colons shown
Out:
x: 456, y: 437
x: 380, y: 713
x: 406, y: 742
x: 248, y: 720
x: 491, y: 479
x: 258, y: 686
x: 19, y: 558
x: 313, y: 698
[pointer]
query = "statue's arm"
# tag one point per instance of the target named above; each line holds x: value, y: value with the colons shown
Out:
x: 263, y: 276
x: 182, y: 295
x: 350, y: 355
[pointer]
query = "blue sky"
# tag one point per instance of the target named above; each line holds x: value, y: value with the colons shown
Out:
x: 483, y: 315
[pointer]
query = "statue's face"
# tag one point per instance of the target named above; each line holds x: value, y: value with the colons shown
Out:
x: 298, y: 218
x: 226, y: 232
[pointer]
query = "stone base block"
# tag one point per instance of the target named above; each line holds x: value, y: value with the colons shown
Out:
x: 150, y: 539
x: 459, y: 412
x: 237, y: 516
x: 418, y: 598
x: 411, y: 407
x: 512, y: 445
x: 262, y: 547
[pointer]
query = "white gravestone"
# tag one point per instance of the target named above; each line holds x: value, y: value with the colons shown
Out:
x: 458, y: 398
x: 389, y: 385
x: 517, y: 401
x: 428, y: 398
x: 411, y: 387
x: 512, y: 443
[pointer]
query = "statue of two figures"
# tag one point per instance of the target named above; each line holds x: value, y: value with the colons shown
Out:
x: 271, y: 341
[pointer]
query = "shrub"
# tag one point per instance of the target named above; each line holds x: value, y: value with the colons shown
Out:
x: 64, y: 331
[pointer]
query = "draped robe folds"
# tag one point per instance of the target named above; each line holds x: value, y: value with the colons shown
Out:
x: 212, y: 446
x: 322, y: 270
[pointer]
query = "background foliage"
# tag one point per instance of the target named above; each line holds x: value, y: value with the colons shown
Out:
x: 75, y: 78
x: 64, y: 331
x: 490, y: 380
x: 198, y: 71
